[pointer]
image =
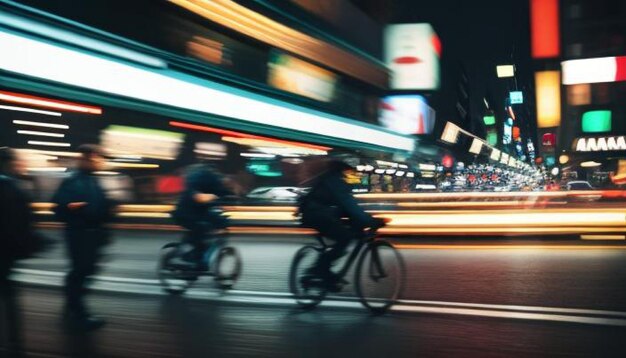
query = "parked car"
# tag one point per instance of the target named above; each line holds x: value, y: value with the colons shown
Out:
x: 578, y: 185
x: 278, y: 193
x: 584, y: 186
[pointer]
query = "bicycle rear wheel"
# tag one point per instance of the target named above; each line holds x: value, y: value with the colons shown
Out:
x: 307, y: 289
x: 173, y: 280
x: 227, y: 267
x: 379, y: 277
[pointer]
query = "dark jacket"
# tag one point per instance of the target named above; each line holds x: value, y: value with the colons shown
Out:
x: 200, y: 179
x: 17, y: 236
x: 331, y: 195
x: 82, y: 186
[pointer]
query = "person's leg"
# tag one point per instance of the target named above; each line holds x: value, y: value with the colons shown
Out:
x: 341, y: 236
x: 334, y: 229
x: 195, y: 238
x: 10, y: 320
x: 73, y: 280
x: 83, y: 255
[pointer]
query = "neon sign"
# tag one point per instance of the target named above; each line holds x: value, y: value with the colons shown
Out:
x: 602, y: 144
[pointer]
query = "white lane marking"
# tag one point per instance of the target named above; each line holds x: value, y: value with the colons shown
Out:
x: 285, y: 301
x: 517, y: 308
x: 513, y: 315
x: 140, y: 281
x: 242, y: 296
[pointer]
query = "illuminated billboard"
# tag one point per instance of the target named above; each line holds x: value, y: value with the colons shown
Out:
x: 492, y: 137
x: 507, y: 135
x: 578, y: 95
x: 142, y: 142
x: 544, y: 28
x: 407, y: 114
x: 594, y: 70
x: 504, y: 71
x: 596, y: 121
x: 548, y: 98
x: 412, y: 53
x: 300, y: 77
x: 517, y: 97
x: 548, y: 140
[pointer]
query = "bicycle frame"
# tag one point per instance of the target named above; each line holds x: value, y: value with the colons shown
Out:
x: 361, y: 243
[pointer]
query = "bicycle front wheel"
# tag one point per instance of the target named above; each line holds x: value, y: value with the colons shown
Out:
x: 307, y: 289
x: 379, y: 277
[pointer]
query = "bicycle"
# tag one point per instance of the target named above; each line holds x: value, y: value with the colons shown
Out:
x: 378, y: 263
x: 222, y: 262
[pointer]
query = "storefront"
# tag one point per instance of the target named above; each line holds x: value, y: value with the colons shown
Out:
x: 61, y: 88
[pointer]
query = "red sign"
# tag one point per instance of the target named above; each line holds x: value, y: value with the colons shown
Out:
x: 548, y: 140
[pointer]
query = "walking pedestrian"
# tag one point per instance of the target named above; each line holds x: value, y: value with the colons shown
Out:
x: 82, y: 204
x: 18, y: 240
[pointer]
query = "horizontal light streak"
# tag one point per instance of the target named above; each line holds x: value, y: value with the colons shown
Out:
x: 501, y: 231
x: 51, y: 152
x: 458, y: 223
x: 144, y: 215
x: 507, y: 247
x: 49, y: 144
x: 132, y: 165
x: 48, y: 103
x: 228, y: 133
x: 259, y: 215
x: 603, y: 237
x: 266, y: 230
x: 483, y: 195
x: 39, y: 59
x: 257, y: 155
x: 41, y: 124
x: 42, y: 134
x: 461, y: 204
x: 210, y: 152
x: 105, y: 172
x: 147, y: 136
x: 47, y: 169
x: 504, y: 219
x: 57, y: 33
x: 30, y: 110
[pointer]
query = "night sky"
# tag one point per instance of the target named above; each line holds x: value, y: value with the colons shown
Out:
x: 476, y: 34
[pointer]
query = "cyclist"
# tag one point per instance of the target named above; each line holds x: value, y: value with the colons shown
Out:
x: 196, y: 212
x: 323, y: 208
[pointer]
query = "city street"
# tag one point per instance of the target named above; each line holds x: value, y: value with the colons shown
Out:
x: 481, y: 298
x: 476, y: 148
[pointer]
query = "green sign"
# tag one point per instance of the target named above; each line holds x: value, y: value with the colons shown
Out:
x: 263, y: 170
x: 596, y: 121
x: 489, y: 120
x: 492, y: 138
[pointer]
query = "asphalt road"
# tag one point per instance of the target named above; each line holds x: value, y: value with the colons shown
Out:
x: 463, y: 298
x: 149, y: 326
x: 540, y: 273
